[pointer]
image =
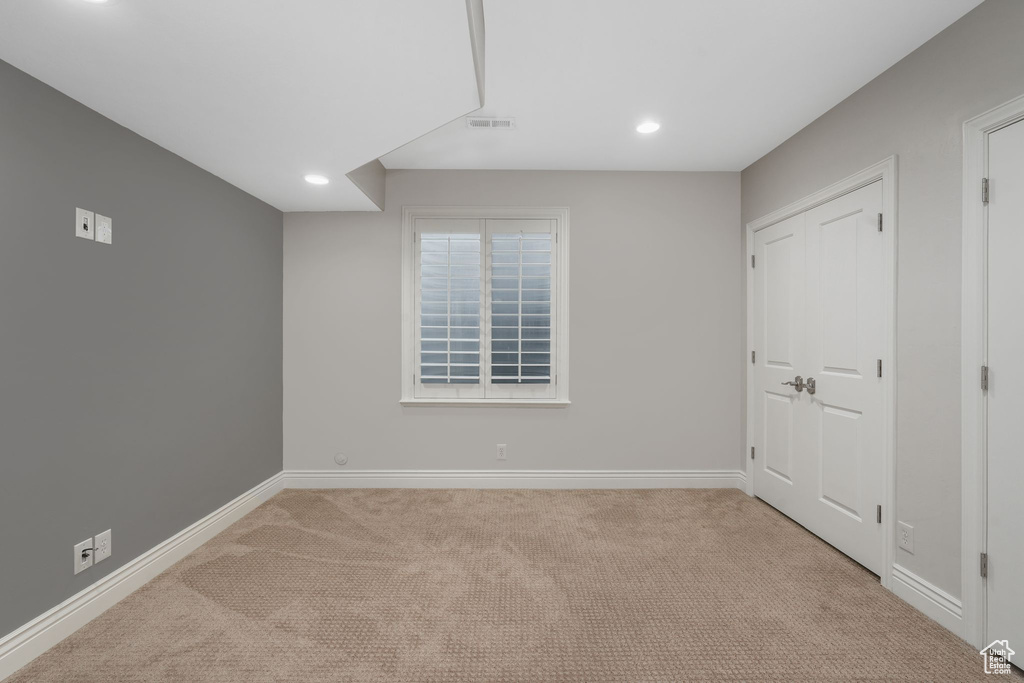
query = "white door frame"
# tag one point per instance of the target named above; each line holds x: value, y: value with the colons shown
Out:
x: 974, y: 343
x: 886, y: 172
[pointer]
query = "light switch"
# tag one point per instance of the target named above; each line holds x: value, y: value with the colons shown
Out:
x: 84, y: 224
x: 104, y: 230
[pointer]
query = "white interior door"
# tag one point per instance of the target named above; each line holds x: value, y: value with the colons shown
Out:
x: 822, y: 452
x: 779, y: 328
x: 1005, y: 462
x: 844, y: 419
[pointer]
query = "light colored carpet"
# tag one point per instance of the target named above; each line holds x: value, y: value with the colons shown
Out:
x: 462, y: 585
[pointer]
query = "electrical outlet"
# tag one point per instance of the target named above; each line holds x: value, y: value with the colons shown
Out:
x: 905, y: 537
x: 103, y: 547
x: 83, y: 555
x: 502, y: 451
x: 104, y: 230
x: 84, y: 224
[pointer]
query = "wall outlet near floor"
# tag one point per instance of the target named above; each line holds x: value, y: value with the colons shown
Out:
x: 84, y: 224
x: 502, y: 452
x: 905, y: 537
x: 83, y: 555
x: 103, y: 547
x: 104, y: 230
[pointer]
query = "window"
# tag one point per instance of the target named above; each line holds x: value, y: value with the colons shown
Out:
x: 484, y: 306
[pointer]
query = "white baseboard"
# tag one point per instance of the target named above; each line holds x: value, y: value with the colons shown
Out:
x: 28, y: 642
x: 929, y: 599
x: 515, y: 479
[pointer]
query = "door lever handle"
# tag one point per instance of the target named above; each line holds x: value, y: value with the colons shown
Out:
x: 797, y: 383
x: 812, y: 386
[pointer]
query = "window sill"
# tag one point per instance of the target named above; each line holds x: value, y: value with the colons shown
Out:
x: 483, y: 403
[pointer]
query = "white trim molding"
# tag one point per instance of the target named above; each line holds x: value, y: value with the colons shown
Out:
x: 974, y: 342
x: 931, y: 600
x: 20, y: 647
x: 517, y: 403
x: 886, y: 171
x: 556, y: 396
x: 514, y: 479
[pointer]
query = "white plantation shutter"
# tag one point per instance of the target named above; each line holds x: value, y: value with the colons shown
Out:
x: 449, y: 303
x: 484, y: 319
x: 519, y: 285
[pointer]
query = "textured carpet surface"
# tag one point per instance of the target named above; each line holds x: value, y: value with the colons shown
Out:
x: 463, y: 585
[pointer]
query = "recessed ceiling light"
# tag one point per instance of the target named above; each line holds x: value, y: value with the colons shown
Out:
x: 317, y: 179
x: 648, y: 127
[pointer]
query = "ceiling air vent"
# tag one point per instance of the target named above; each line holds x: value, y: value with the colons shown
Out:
x: 489, y: 122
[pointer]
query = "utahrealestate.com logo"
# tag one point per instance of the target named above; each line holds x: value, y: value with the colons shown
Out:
x: 997, y: 657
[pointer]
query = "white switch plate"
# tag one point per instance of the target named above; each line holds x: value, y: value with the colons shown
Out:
x: 84, y: 224
x: 104, y: 230
x: 502, y: 451
x: 103, y: 547
x: 81, y: 564
x: 905, y: 537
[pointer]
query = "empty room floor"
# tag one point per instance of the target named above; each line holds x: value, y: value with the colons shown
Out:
x: 511, y: 585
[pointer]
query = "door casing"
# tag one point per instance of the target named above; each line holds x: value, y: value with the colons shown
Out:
x: 974, y: 327
x: 886, y: 172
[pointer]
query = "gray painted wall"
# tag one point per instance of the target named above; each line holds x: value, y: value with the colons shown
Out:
x: 655, y: 289
x: 140, y: 383
x: 915, y: 110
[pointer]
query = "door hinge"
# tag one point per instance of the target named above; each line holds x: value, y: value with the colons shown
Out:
x: 753, y: 261
x: 753, y: 357
x: 879, y: 367
x: 984, y: 378
x: 878, y: 514
x: 984, y: 565
x: 984, y: 191
x: 751, y: 452
x: 879, y: 222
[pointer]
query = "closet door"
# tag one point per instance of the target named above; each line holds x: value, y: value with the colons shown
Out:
x: 843, y: 421
x: 779, y: 332
x: 819, y: 332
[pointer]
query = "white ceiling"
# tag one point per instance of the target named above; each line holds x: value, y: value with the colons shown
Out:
x: 728, y: 79
x: 261, y: 92
x: 258, y: 92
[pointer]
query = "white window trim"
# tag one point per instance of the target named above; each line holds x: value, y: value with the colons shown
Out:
x: 560, y: 215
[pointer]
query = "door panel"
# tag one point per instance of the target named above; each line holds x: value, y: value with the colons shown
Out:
x: 819, y: 312
x: 838, y: 259
x: 845, y: 340
x: 779, y: 330
x: 1005, y: 463
x: 778, y: 435
x: 778, y: 327
x: 840, y: 440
